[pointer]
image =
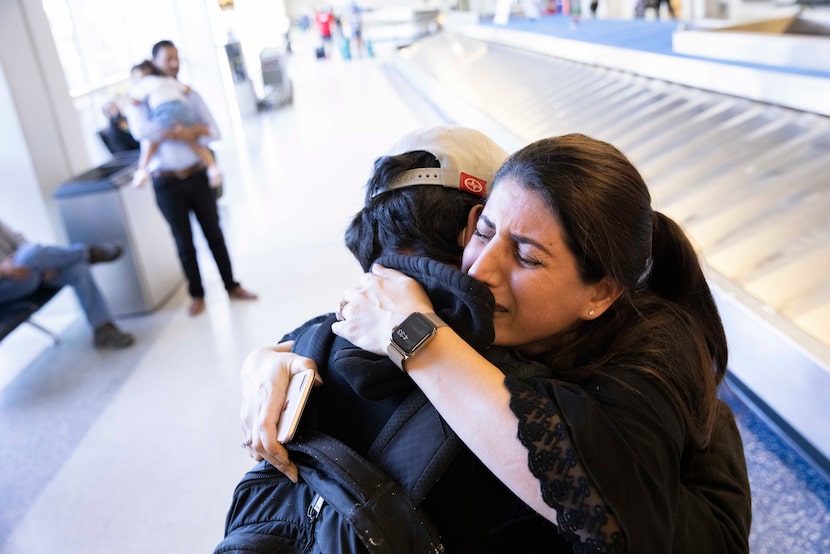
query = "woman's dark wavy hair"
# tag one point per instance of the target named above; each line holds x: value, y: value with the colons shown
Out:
x: 665, y: 323
x: 418, y: 220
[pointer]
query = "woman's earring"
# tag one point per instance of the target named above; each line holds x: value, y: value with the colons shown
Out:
x: 591, y: 313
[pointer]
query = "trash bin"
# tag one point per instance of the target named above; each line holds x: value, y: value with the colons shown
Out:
x: 101, y: 206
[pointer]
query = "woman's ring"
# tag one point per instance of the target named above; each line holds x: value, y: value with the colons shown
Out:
x: 247, y: 443
x: 340, y: 310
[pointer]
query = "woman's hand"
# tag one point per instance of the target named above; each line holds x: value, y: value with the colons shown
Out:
x: 265, y: 376
x: 380, y: 302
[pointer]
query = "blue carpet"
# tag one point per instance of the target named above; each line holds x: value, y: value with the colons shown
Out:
x: 790, y: 498
x: 635, y: 34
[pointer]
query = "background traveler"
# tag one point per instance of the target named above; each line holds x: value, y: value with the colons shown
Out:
x: 116, y: 136
x: 181, y: 186
x: 324, y: 19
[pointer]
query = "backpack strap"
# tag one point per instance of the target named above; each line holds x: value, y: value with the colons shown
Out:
x: 373, y: 503
x: 315, y: 339
x: 415, y: 446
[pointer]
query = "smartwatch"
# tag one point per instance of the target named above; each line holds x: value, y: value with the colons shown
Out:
x: 411, y: 335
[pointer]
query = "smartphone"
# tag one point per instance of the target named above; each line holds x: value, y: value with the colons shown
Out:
x: 299, y: 388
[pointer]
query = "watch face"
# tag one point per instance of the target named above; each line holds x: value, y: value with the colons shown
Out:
x: 414, y: 330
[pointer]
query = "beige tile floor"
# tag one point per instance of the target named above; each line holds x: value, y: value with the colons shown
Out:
x: 138, y: 451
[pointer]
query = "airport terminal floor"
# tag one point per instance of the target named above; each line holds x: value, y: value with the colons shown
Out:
x: 137, y: 451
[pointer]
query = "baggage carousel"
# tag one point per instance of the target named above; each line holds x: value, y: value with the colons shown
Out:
x: 742, y: 165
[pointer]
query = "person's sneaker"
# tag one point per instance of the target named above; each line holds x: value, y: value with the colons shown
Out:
x: 110, y: 336
x: 100, y: 253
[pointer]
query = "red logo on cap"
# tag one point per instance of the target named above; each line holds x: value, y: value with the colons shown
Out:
x: 473, y: 185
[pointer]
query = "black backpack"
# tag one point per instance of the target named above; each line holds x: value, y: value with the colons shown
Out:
x: 343, y: 503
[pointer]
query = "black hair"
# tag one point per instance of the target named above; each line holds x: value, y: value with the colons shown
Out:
x: 422, y: 220
x: 162, y: 44
x: 665, y: 323
x: 148, y: 68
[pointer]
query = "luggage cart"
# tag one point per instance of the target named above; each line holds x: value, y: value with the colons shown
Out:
x: 276, y: 84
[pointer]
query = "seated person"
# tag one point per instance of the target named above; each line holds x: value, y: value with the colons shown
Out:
x: 25, y: 266
x: 167, y: 106
x: 116, y: 136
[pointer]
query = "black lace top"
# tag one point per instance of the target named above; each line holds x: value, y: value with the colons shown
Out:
x: 583, y: 516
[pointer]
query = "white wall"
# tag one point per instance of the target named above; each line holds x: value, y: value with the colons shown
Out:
x: 42, y: 140
x: 21, y: 202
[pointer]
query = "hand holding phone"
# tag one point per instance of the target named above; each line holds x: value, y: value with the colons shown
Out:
x: 299, y: 388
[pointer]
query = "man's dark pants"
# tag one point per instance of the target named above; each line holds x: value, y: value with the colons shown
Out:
x: 176, y: 198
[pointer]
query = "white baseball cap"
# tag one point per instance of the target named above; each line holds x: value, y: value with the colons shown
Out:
x: 469, y: 159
